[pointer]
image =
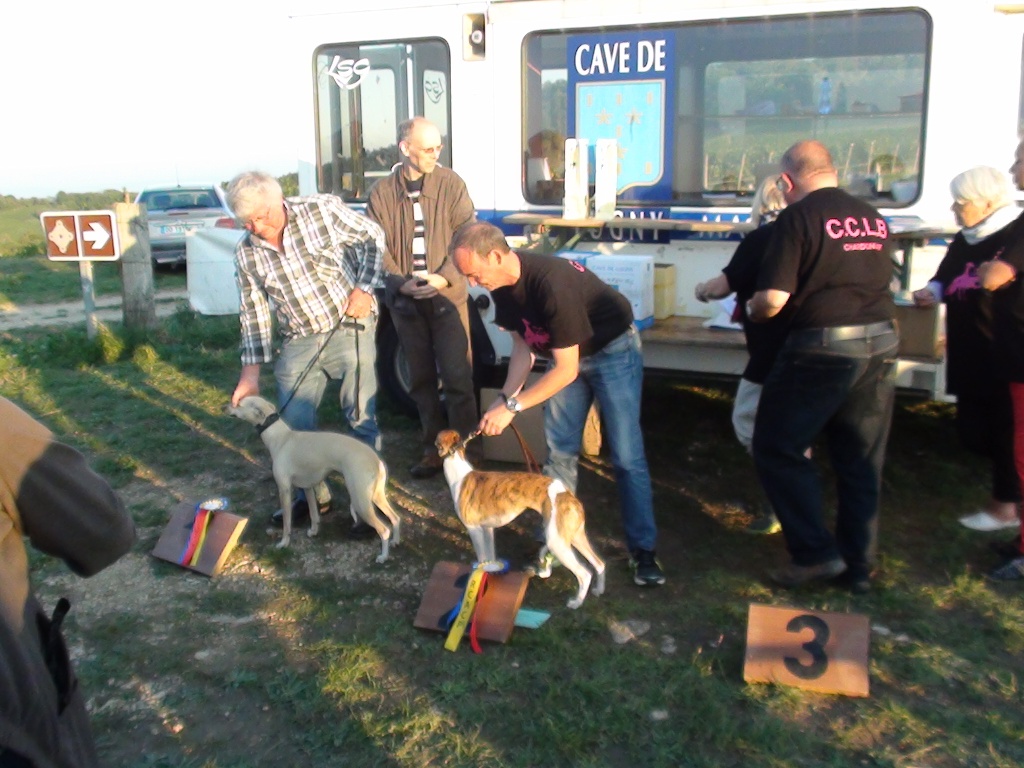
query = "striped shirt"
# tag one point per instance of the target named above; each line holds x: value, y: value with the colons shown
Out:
x: 329, y: 249
x: 419, y: 230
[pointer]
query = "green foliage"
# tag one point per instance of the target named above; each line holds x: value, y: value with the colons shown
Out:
x: 289, y: 184
x: 36, y: 280
x: 21, y: 234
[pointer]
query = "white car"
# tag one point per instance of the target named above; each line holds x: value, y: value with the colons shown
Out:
x: 175, y: 212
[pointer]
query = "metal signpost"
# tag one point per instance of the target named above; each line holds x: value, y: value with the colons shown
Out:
x: 85, y: 237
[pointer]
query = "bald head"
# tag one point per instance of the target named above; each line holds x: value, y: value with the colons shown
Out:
x: 808, y: 166
x: 807, y: 158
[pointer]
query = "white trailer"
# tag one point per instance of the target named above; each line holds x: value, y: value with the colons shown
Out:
x: 701, y: 97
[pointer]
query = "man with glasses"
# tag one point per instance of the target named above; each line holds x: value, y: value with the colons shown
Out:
x: 829, y: 259
x: 313, y: 263
x: 419, y: 206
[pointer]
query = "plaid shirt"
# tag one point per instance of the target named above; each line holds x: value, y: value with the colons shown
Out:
x: 329, y: 249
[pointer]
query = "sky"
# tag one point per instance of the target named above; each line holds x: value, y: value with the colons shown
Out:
x: 114, y: 94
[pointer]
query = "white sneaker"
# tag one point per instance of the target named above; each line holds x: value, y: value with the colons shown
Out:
x: 986, y: 521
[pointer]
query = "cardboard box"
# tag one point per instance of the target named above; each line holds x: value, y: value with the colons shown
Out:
x: 223, y: 530
x: 633, y: 277
x: 579, y: 256
x: 664, y: 291
x: 920, y: 331
x: 505, y: 447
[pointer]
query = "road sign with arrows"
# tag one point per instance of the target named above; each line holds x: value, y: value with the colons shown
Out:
x: 81, y: 235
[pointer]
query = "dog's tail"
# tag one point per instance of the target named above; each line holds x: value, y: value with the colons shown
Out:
x: 379, y: 497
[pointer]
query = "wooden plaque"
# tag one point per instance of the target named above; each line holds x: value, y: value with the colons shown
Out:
x: 221, y: 537
x: 819, y: 651
x: 496, y: 610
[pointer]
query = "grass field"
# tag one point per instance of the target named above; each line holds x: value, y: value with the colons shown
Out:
x: 308, y: 656
x: 47, y: 281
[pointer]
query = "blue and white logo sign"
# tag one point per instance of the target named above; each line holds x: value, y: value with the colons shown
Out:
x: 619, y: 89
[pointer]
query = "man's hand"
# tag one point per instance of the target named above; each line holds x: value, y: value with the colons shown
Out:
x: 496, y: 419
x: 248, y: 384
x: 424, y: 287
x: 360, y: 304
x: 923, y: 297
x: 995, y: 274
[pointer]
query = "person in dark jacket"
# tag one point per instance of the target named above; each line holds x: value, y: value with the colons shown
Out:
x: 830, y: 259
x: 419, y: 207
x: 983, y: 206
x: 49, y: 494
x: 763, y: 339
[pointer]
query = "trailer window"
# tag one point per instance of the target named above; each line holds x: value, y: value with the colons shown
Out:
x: 363, y: 93
x: 703, y: 111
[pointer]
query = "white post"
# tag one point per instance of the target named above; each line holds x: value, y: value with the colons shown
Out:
x: 89, y: 297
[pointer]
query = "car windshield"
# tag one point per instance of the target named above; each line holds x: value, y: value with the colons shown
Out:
x: 162, y: 200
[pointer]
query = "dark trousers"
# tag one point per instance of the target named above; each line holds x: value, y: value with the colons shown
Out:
x: 435, y: 340
x: 1017, y: 403
x: 843, y: 390
x: 984, y: 423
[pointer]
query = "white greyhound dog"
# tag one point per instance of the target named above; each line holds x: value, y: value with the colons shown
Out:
x: 303, y: 459
x: 488, y: 500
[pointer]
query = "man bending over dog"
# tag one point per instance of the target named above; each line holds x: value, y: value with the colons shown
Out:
x: 557, y: 309
x: 316, y: 262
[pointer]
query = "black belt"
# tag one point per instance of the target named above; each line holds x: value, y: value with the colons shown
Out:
x: 841, y: 333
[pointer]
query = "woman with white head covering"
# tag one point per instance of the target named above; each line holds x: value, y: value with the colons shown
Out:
x: 983, y: 207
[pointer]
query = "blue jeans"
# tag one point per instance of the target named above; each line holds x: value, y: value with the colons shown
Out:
x: 349, y: 356
x: 844, y: 390
x: 615, y: 377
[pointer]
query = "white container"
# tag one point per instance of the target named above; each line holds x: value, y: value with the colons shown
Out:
x: 606, y: 178
x: 576, y: 203
x: 633, y: 277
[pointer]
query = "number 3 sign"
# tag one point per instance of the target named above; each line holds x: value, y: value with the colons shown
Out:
x: 818, y: 651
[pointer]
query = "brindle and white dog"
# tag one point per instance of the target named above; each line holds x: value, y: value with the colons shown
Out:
x: 488, y: 500
x: 303, y: 459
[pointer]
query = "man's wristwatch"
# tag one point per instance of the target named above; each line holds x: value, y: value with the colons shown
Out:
x: 513, y: 405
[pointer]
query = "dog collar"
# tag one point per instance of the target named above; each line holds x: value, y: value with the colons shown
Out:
x: 271, y: 419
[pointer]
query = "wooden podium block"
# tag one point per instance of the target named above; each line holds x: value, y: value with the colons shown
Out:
x: 222, y: 535
x: 495, y: 611
x: 819, y: 651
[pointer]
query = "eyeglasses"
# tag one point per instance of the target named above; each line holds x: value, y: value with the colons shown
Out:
x: 430, y: 150
x: 255, y: 221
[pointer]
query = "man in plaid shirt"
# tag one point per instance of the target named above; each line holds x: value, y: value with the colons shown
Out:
x: 312, y: 264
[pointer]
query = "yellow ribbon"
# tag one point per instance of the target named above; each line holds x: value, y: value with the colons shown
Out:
x: 205, y: 523
x: 466, y: 611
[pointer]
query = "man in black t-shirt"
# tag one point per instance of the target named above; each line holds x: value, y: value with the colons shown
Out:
x: 829, y: 260
x: 557, y: 309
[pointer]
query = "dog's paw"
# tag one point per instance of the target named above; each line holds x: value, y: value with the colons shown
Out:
x: 283, y: 543
x: 382, y: 558
x: 313, y: 532
x: 575, y: 603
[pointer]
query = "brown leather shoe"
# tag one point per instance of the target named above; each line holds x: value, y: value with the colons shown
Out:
x: 429, y: 466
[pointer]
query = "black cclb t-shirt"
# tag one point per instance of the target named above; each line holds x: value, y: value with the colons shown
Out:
x: 558, y: 303
x: 830, y: 251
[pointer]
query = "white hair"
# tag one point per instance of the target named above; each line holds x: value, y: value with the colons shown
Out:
x: 982, y: 184
x: 251, y: 191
